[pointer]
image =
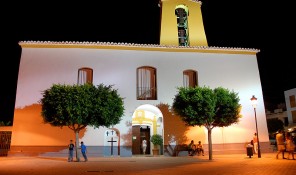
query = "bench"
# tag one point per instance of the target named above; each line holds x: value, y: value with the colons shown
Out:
x: 176, y: 150
x: 180, y: 148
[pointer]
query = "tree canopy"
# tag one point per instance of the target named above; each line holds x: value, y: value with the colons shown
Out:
x: 274, y: 125
x: 3, y: 123
x: 202, y: 106
x: 78, y: 106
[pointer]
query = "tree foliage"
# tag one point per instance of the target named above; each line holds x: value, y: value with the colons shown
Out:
x: 78, y: 106
x: 202, y: 106
x: 5, y: 123
x: 274, y: 125
x: 156, y: 139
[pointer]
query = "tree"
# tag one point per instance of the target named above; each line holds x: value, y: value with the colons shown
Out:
x: 202, y: 106
x: 3, y: 123
x: 79, y: 106
x: 274, y: 125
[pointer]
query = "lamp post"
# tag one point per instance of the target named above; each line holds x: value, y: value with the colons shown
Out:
x: 254, y: 104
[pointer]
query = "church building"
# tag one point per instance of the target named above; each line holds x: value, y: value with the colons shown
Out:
x: 146, y: 77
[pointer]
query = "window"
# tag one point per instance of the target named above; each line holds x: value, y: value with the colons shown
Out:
x: 189, y: 78
x: 181, y: 13
x: 292, y: 101
x: 85, y: 75
x: 146, y: 83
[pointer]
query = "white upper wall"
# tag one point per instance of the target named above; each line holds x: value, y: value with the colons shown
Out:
x: 42, y: 67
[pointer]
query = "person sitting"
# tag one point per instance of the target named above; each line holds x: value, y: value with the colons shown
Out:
x: 191, y: 148
x: 199, y: 148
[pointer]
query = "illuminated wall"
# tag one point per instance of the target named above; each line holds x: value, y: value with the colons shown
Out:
x: 169, y: 30
x: 43, y: 65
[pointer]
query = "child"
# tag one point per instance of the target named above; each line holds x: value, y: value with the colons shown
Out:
x: 290, y: 146
x: 71, y: 151
x: 83, y: 151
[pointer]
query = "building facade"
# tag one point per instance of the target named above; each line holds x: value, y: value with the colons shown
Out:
x: 147, y: 77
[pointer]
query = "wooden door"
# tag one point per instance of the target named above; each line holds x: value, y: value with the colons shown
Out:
x: 136, y: 148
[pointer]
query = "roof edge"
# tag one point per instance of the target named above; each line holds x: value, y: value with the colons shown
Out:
x: 86, y: 43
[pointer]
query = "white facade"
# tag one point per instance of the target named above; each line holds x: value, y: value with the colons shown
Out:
x: 45, y: 64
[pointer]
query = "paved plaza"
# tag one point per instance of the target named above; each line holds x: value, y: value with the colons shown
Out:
x: 234, y: 164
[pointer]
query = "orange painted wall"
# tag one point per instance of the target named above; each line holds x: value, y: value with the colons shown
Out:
x: 30, y: 130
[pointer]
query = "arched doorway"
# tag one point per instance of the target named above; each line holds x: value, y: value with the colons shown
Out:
x: 146, y: 121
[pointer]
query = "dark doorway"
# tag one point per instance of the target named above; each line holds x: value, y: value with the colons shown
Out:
x: 145, y: 134
x: 139, y: 134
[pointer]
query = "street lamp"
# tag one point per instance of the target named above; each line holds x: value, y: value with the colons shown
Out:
x: 254, y: 104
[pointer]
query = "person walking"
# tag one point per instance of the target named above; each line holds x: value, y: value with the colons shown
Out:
x: 144, y: 146
x: 83, y: 151
x: 280, y: 144
x: 290, y: 146
x: 71, y: 151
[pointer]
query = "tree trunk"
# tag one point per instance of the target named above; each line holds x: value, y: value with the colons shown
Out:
x: 77, y: 146
x: 210, y: 144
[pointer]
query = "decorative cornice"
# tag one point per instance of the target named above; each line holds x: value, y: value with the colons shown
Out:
x: 197, y: 1
x: 133, y: 46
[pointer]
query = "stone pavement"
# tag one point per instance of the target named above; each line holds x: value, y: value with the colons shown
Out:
x: 233, y: 164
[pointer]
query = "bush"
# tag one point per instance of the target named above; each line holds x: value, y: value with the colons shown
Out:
x: 156, y: 139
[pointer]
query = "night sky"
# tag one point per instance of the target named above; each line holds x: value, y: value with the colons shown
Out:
x: 261, y: 25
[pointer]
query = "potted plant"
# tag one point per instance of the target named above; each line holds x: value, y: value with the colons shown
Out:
x: 157, y: 140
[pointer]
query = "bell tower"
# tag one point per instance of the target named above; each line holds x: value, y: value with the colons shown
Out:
x: 182, y: 23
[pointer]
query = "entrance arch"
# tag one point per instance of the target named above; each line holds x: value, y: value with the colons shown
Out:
x: 146, y: 121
